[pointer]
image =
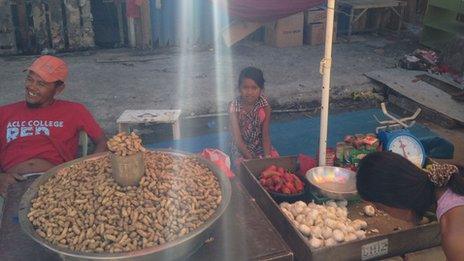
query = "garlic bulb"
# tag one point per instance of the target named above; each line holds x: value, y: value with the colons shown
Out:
x: 316, y: 231
x: 285, y: 205
x: 331, y: 209
x: 331, y: 204
x: 338, y: 235
x: 315, y: 242
x: 326, y: 232
x: 327, y: 224
x: 360, y: 234
x: 305, y: 230
x: 288, y: 214
x: 300, y: 218
x: 350, y: 237
x: 342, y: 213
x: 342, y: 203
x: 308, y: 221
x: 330, y: 242
x: 359, y: 224
x: 369, y: 210
x: 300, y: 204
x: 331, y: 223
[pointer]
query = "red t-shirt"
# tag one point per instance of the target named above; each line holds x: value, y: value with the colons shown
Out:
x: 50, y: 133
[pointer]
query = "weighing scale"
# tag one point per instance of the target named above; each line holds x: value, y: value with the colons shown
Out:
x: 394, y: 136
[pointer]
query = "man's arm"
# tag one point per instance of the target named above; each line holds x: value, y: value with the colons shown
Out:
x: 100, y: 144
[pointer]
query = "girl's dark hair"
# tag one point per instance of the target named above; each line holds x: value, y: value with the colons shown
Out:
x: 390, y: 179
x: 252, y: 73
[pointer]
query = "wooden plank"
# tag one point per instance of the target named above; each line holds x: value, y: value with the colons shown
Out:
x: 362, y: 4
x: 120, y: 22
x: 23, y: 25
x: 238, y: 30
x: 446, y: 81
x: 40, y: 25
x: 146, y: 116
x: 407, y: 83
x: 411, y: 7
x: 147, y: 39
x: 7, y: 32
x: 79, y: 25
x: 56, y: 24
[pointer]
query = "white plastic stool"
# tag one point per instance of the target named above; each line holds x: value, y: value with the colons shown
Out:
x: 150, y: 116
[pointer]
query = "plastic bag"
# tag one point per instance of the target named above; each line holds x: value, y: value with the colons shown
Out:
x: 306, y: 163
x: 219, y: 158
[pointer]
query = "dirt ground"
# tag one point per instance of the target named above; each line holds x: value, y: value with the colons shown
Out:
x: 111, y: 81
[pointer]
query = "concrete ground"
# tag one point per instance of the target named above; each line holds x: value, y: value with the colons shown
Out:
x: 111, y: 81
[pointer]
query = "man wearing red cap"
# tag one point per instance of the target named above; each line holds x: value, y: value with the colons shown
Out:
x: 42, y: 132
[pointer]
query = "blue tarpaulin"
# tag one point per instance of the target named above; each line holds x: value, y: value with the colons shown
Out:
x: 301, y: 135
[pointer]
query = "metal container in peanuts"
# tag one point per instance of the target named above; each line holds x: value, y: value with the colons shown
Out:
x: 127, y: 158
x: 79, y: 211
x: 128, y: 170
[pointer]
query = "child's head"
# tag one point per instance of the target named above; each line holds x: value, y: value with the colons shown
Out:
x: 250, y: 84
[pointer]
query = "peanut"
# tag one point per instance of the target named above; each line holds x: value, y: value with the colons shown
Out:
x: 81, y: 207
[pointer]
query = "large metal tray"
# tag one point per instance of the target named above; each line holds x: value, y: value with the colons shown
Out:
x: 174, y: 250
x: 391, y: 241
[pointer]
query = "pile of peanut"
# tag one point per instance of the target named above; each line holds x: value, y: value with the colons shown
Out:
x: 123, y: 144
x: 82, y: 208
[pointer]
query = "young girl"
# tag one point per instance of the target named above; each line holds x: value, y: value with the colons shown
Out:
x: 397, y: 186
x: 250, y: 115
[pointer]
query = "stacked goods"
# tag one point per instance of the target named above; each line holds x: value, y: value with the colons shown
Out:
x: 324, y: 225
x: 83, y: 209
x: 314, y: 26
x: 354, y: 148
x: 277, y: 179
x: 124, y: 145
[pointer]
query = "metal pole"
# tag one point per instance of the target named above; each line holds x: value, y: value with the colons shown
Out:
x: 326, y: 65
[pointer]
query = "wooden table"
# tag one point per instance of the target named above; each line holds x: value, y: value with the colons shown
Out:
x: 150, y: 117
x: 397, y: 6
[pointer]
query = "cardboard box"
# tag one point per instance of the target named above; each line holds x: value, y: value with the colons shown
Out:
x: 315, y: 15
x: 285, y: 32
x: 315, y: 33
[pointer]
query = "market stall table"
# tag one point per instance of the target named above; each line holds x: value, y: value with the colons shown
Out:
x: 243, y: 232
x: 392, y: 237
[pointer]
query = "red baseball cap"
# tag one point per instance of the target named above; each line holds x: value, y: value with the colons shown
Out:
x: 50, y: 68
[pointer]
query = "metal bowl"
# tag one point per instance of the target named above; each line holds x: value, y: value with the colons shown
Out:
x: 333, y: 182
x: 173, y: 250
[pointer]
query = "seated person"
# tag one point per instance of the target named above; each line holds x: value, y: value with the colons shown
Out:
x: 397, y: 186
x: 250, y: 115
x: 42, y: 132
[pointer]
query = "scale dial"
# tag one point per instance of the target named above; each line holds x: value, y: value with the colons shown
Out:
x: 408, y: 147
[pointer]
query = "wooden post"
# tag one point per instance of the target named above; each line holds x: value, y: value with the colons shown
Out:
x: 146, y: 25
x: 120, y: 23
x: 56, y: 25
x: 411, y: 11
x: 131, y: 29
x: 23, y: 25
x: 79, y: 24
x: 40, y: 25
x: 7, y: 32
